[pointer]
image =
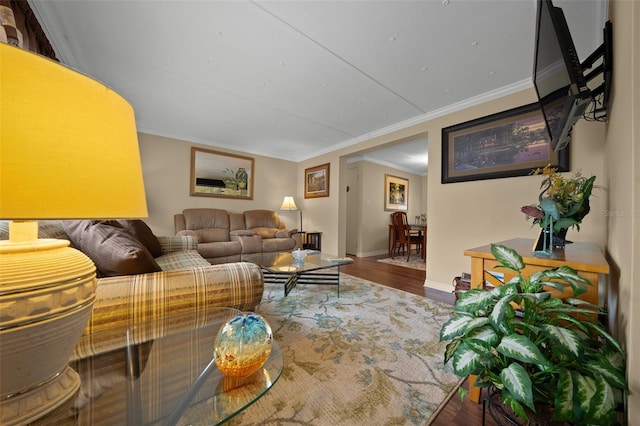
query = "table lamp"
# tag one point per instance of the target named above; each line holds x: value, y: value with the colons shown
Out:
x: 289, y: 204
x: 68, y: 150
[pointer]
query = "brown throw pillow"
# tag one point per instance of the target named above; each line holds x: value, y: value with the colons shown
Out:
x: 142, y: 233
x: 113, y: 250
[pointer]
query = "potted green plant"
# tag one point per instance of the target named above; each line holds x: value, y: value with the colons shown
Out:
x: 541, y: 352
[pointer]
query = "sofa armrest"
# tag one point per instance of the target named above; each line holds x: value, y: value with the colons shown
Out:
x: 286, y: 233
x: 251, y: 243
x: 170, y: 244
x: 133, y: 300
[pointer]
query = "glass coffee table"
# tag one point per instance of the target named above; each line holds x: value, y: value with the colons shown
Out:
x: 315, y: 268
x: 160, y: 373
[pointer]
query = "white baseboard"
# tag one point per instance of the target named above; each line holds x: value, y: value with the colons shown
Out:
x: 438, y: 285
x: 372, y: 253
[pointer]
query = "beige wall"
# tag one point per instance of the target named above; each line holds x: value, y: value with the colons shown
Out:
x: 372, y: 220
x: 166, y: 166
x: 622, y: 167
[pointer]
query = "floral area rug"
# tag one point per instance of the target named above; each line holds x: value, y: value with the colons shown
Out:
x: 370, y: 357
x: 415, y: 262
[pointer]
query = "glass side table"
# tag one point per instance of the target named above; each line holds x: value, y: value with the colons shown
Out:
x: 160, y: 372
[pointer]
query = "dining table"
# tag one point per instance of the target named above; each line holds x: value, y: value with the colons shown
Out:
x: 422, y: 231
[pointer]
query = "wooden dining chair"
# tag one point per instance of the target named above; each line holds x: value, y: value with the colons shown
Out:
x: 403, y: 235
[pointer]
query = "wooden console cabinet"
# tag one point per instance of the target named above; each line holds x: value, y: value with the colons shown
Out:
x: 585, y: 258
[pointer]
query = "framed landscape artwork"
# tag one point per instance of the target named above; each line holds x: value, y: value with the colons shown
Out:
x: 316, y: 181
x: 396, y: 193
x: 220, y: 174
x: 506, y: 144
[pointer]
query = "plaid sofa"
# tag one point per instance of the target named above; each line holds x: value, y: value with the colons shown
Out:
x: 186, y: 284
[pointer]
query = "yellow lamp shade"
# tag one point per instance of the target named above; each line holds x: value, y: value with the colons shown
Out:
x: 69, y: 147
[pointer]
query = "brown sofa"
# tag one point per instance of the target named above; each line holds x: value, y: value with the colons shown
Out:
x: 225, y: 237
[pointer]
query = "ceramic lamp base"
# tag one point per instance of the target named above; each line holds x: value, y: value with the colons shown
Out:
x: 29, y: 406
x: 47, y: 291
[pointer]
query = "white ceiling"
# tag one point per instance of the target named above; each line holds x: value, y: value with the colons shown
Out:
x: 295, y: 79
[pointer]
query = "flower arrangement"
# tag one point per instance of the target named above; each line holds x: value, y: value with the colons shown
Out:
x: 567, y: 196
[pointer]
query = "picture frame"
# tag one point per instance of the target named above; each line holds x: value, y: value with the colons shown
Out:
x: 506, y: 144
x: 220, y: 174
x: 316, y: 181
x: 396, y: 193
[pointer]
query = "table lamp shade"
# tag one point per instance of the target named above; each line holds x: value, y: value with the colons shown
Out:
x: 69, y: 147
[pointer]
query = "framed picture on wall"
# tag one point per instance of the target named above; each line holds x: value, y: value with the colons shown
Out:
x: 220, y: 174
x: 507, y: 144
x: 396, y: 193
x: 316, y: 181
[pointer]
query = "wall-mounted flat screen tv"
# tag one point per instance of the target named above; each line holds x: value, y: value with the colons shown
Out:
x: 558, y: 75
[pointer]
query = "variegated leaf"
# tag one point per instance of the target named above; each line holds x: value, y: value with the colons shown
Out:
x: 509, y: 258
x: 478, y: 346
x: 521, y: 348
x: 554, y: 285
x: 516, y: 380
x: 568, y: 340
x: 536, y: 297
x: 563, y: 405
x: 610, y: 374
x: 486, y: 334
x: 476, y: 323
x: 499, y: 310
x: 473, y: 301
x: 504, y: 290
x: 600, y: 331
x: 451, y: 349
x: 570, y: 276
x: 466, y: 361
x: 515, y: 406
x: 454, y: 327
x: 584, y: 388
x: 603, y: 403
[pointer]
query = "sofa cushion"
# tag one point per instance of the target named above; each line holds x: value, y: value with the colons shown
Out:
x: 143, y: 233
x: 278, y: 244
x: 206, y: 218
x: 261, y: 219
x: 286, y: 233
x: 236, y: 221
x: 219, y: 249
x: 265, y: 233
x: 208, y: 235
x: 185, y: 259
x: 113, y: 250
x: 242, y: 233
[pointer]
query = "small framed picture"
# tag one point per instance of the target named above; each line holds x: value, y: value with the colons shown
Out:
x: 316, y: 181
x: 396, y: 193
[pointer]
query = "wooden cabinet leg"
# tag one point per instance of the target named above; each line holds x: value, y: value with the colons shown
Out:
x: 474, y: 391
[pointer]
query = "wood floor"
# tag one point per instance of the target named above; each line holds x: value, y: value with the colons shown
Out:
x: 455, y: 412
